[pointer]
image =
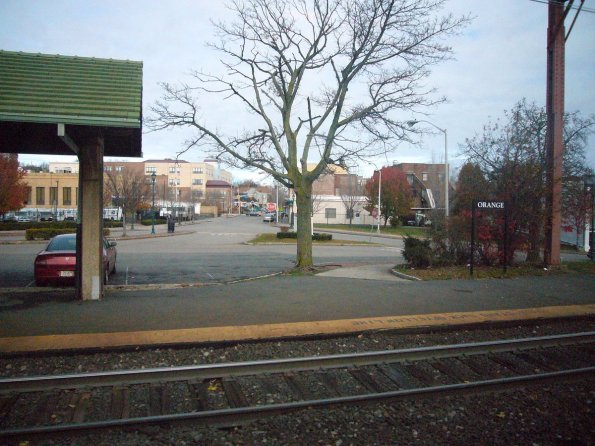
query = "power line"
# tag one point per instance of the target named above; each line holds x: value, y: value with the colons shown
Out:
x: 583, y: 9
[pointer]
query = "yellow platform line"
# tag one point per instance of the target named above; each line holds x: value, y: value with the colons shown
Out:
x: 266, y: 331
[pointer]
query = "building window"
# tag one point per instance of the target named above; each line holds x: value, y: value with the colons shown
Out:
x: 107, y: 168
x: 197, y: 182
x: 29, y: 195
x: 119, y: 168
x: 40, y: 195
x: 330, y: 213
x: 424, y: 176
x: 53, y: 196
x: 67, y: 196
x: 197, y: 170
x: 174, y: 181
x: 173, y: 169
x: 151, y: 169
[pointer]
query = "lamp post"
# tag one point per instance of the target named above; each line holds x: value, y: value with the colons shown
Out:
x: 411, y: 124
x: 153, y: 176
x: 590, y: 184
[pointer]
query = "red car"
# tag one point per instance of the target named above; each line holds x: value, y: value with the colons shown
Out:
x: 56, y: 263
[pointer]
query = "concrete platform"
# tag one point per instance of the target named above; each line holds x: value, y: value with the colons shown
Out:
x: 278, y: 307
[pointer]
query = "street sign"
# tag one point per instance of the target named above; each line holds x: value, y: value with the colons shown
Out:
x: 485, y: 205
x: 490, y: 205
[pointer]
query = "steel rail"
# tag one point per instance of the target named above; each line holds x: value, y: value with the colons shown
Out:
x: 230, y: 417
x: 210, y: 371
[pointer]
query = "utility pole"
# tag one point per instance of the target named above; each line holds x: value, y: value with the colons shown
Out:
x: 555, y: 127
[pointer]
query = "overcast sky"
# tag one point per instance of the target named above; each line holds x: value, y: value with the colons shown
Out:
x: 499, y: 59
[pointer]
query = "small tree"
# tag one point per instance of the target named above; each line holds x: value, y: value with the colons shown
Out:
x: 128, y: 187
x: 13, y: 191
x: 471, y: 185
x: 351, y: 195
x: 396, y: 198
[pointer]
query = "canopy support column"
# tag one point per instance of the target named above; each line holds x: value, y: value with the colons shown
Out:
x: 89, y: 262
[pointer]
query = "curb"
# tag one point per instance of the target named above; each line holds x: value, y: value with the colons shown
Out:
x: 405, y: 276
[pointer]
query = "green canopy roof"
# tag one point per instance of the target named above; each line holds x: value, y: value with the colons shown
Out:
x: 80, y: 92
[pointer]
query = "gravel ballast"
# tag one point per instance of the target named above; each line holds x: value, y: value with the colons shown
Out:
x: 560, y: 414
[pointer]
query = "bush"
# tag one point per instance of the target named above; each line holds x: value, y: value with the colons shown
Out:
x: 48, y: 233
x: 289, y: 234
x: 19, y: 225
x: 317, y: 236
x: 112, y: 223
x: 395, y: 222
x: 149, y: 221
x: 417, y: 252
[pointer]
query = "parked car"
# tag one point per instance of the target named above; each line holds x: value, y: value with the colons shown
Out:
x: 254, y: 213
x: 56, y: 264
x: 270, y: 217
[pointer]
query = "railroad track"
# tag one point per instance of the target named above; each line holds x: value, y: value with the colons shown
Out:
x: 228, y: 394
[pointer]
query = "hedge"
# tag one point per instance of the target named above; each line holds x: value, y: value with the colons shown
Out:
x: 149, y: 222
x: 48, y: 233
x: 321, y: 237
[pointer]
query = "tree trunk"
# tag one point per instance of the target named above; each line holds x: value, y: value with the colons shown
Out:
x: 304, y: 241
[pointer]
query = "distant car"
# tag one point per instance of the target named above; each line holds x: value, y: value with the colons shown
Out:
x: 270, y: 217
x: 254, y: 213
x: 56, y: 264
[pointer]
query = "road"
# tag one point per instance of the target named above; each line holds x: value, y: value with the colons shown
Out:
x: 215, y: 251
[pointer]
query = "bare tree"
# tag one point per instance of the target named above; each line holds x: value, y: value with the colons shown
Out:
x: 352, y: 193
x: 325, y: 79
x: 128, y: 187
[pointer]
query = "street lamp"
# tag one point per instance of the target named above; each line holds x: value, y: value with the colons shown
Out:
x: 590, y: 184
x: 411, y: 124
x: 153, y: 176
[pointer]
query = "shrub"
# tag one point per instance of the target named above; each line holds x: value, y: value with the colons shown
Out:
x: 48, y: 233
x: 395, y: 222
x: 149, y: 222
x: 289, y: 234
x: 417, y: 252
x: 317, y: 236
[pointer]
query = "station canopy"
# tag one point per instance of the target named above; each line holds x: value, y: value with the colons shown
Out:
x: 88, y: 97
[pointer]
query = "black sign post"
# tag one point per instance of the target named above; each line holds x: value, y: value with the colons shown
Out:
x: 478, y: 205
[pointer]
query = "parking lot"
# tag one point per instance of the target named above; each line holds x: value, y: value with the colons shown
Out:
x: 209, y: 251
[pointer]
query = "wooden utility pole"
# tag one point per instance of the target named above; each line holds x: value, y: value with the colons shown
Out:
x: 555, y: 127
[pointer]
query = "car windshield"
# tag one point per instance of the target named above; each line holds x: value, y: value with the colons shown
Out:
x: 62, y: 244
